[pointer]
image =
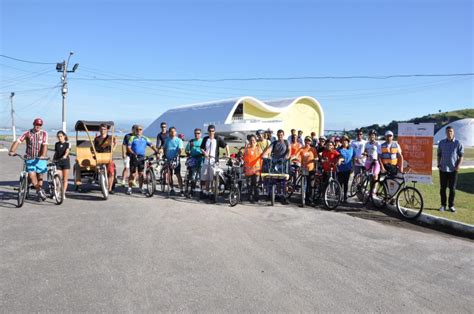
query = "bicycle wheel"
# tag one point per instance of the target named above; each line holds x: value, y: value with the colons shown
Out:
x: 234, y: 195
x: 303, y: 190
x: 104, y: 187
x: 58, y: 189
x: 150, y: 183
x: 272, y: 194
x: 215, y: 187
x: 380, y: 198
x: 409, y: 202
x: 364, y: 192
x: 22, y: 190
x: 317, y: 190
x: 163, y: 180
x: 332, y: 194
x: 356, y: 184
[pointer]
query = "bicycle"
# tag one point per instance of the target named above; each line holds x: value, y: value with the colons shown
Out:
x: 332, y: 189
x: 192, y: 177
x: 298, y: 181
x: 167, y: 172
x: 149, y: 181
x: 363, y: 184
x: 235, y: 180
x: 393, y: 188
x: 55, y: 186
x: 274, y: 172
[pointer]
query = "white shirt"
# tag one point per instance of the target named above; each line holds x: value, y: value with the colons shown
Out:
x: 359, y: 147
x: 211, y: 150
x: 371, y: 150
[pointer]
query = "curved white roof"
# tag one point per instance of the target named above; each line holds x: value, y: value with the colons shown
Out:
x: 463, y: 131
x: 186, y: 118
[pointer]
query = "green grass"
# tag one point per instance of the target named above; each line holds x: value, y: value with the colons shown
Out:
x: 463, y: 202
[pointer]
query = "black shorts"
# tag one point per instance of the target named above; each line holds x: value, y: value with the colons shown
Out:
x: 176, y: 170
x: 137, y: 163
x: 63, y: 164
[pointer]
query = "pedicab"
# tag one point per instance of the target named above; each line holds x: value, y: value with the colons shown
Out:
x: 91, y: 165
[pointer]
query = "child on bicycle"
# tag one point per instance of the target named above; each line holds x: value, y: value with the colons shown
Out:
x: 61, y: 157
x: 330, y: 159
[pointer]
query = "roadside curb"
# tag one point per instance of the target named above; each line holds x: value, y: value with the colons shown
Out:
x: 444, y: 224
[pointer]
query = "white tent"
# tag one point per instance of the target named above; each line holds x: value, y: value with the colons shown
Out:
x: 463, y: 131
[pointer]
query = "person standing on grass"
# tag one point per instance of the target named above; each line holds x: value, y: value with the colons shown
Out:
x: 450, y: 157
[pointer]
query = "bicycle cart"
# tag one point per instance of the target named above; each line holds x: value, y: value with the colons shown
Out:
x: 274, y: 175
x: 91, y: 164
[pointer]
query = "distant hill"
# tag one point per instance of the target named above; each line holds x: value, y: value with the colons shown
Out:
x: 439, y: 119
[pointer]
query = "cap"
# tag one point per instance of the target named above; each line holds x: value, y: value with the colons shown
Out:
x: 346, y: 138
x: 388, y: 133
x: 259, y: 132
x: 38, y: 121
x: 322, y: 137
x: 308, y: 138
x: 337, y: 139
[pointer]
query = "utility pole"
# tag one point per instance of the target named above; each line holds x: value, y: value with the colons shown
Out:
x: 13, y: 116
x: 62, y: 67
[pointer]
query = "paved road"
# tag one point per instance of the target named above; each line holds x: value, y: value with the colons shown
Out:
x: 138, y: 254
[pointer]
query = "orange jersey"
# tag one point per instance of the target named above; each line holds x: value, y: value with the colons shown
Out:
x: 294, y: 150
x: 252, y: 160
x: 307, y: 156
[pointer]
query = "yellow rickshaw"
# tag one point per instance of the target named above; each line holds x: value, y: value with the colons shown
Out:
x: 91, y: 165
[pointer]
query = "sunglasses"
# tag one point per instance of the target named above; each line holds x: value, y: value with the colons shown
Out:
x: 163, y: 126
x: 197, y: 133
x: 211, y: 130
x: 38, y: 125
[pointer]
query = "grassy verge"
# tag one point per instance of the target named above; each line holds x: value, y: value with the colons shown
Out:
x: 463, y: 202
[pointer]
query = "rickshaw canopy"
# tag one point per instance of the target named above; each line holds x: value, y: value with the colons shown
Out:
x: 92, y: 126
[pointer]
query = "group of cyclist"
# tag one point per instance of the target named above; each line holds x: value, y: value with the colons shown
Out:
x: 312, y: 153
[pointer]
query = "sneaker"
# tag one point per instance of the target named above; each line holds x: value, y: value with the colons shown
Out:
x: 112, y: 192
x: 64, y: 196
x: 42, y: 195
x: 172, y: 192
x: 284, y: 201
x: 201, y: 195
x: 442, y: 209
x: 129, y: 191
x: 452, y: 209
x: 181, y: 194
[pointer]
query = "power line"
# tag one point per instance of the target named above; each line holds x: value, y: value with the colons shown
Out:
x: 26, y: 61
x: 290, y: 78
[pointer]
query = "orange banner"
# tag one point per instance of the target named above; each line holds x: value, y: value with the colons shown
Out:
x: 416, y: 141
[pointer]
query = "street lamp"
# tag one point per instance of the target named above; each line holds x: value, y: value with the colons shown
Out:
x: 62, y: 67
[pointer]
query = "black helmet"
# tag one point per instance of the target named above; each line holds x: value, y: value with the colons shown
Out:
x: 372, y: 132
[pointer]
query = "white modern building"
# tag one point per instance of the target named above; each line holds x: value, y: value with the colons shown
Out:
x: 240, y: 116
x: 463, y: 131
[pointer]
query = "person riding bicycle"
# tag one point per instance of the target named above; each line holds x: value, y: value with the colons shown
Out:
x: 280, y: 150
x: 390, y: 155
x: 308, y: 156
x: 136, y: 149
x: 253, y: 166
x: 173, y: 148
x: 210, y: 149
x: 195, y: 157
x: 105, y: 143
x: 36, y: 149
x: 330, y: 158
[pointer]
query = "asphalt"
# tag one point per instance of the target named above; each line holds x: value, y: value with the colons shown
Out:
x: 132, y: 253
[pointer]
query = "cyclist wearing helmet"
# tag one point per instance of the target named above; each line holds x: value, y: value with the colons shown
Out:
x: 36, y: 148
x: 370, y: 151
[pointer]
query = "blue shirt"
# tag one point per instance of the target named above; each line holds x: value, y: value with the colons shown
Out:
x: 172, y: 147
x: 138, y: 144
x: 449, y: 153
x: 347, y: 154
x: 194, y: 147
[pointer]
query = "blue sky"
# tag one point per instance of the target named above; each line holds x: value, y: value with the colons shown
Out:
x: 222, y: 39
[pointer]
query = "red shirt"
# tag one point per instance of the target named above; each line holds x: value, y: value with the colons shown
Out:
x: 332, y: 158
x: 34, y: 142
